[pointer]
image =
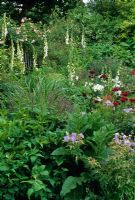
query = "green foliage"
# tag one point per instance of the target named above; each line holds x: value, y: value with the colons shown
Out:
x: 69, y: 184
x: 120, y: 164
x: 56, y: 130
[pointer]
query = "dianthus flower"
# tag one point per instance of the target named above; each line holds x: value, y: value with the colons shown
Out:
x: 123, y: 99
x: 124, y: 93
x: 132, y: 100
x: 116, y: 103
x: 115, y: 89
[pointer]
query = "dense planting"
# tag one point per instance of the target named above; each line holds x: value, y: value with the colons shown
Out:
x: 67, y: 105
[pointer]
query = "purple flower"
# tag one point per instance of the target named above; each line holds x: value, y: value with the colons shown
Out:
x: 128, y: 110
x: 73, y: 137
x: 66, y: 138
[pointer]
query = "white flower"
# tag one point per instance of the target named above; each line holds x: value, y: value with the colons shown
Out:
x: 98, y: 87
x: 117, y: 82
x: 77, y: 78
x: 33, y: 41
x: 98, y: 99
x: 83, y: 113
x: 3, y: 3
x: 116, y: 138
x: 126, y: 141
x: 1, y: 41
x: 86, y: 1
x: 86, y: 84
x: 90, y: 84
x: 14, y: 4
x: 20, y: 10
x: 118, y: 93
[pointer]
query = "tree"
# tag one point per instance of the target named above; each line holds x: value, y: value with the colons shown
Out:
x: 37, y: 9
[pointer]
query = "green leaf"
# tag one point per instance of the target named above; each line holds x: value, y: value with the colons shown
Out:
x: 3, y: 168
x: 33, y: 158
x: 30, y: 192
x: 44, y: 198
x: 69, y: 184
x: 60, y: 151
x: 60, y: 160
x: 38, y: 185
x: 44, y: 173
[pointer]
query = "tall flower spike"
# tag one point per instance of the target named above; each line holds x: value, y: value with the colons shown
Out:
x: 34, y: 58
x: 67, y: 36
x: 71, y: 72
x: 83, y: 43
x: 4, y: 28
x: 45, y: 46
x: 20, y: 56
x: 12, y: 55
